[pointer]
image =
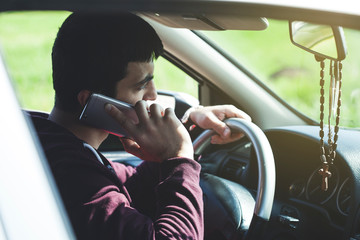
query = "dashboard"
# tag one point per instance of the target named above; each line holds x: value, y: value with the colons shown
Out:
x: 301, y: 209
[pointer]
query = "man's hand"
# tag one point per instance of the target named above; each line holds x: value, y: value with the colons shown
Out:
x: 158, y: 136
x: 212, y: 118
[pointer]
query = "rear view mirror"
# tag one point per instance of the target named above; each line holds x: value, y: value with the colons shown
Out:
x: 321, y: 40
x: 325, y: 42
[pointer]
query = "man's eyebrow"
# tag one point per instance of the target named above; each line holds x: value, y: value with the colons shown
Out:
x: 148, y: 78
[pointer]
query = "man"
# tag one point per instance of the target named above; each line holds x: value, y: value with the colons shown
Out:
x: 161, y: 198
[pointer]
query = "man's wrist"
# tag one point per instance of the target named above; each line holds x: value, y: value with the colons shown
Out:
x: 186, y: 120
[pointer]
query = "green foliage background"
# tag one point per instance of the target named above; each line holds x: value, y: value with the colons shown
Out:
x: 26, y: 40
x: 291, y: 72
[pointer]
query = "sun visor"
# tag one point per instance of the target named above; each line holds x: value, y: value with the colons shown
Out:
x: 209, y: 21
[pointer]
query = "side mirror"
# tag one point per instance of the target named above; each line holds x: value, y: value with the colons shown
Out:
x: 321, y: 40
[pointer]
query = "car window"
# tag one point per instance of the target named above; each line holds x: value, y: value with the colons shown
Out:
x: 289, y: 71
x: 28, y: 59
x: 167, y: 76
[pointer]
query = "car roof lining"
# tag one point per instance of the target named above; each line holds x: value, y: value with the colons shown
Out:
x: 209, y: 8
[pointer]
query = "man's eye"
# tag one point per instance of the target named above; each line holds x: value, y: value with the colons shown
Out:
x: 144, y: 85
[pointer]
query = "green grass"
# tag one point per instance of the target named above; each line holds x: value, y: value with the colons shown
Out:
x: 289, y: 71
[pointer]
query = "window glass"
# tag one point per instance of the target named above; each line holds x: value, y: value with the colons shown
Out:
x: 169, y: 77
x: 26, y: 40
x: 291, y: 72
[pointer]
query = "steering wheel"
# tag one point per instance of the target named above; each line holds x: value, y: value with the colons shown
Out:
x: 228, y: 205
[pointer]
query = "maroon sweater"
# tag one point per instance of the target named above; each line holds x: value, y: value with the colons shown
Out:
x: 112, y: 201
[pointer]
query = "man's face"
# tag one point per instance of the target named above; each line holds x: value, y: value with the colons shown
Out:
x: 137, y: 84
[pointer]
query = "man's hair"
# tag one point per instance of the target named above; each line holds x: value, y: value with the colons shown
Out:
x: 92, y: 51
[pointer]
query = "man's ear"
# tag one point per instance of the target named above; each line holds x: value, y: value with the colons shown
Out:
x: 83, y: 96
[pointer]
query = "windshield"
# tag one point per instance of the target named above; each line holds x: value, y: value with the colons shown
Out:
x: 292, y: 73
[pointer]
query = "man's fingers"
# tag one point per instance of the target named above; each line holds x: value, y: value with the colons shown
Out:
x: 141, y: 111
x: 216, y: 139
x: 115, y: 113
x: 121, y: 118
x: 156, y: 110
x: 232, y: 111
x: 218, y: 126
x: 227, y: 111
x: 212, y: 118
x: 169, y: 115
x: 131, y: 146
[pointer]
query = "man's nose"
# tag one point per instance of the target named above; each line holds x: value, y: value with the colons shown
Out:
x: 151, y: 93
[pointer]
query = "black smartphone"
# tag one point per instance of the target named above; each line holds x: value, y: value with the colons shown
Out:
x: 94, y: 114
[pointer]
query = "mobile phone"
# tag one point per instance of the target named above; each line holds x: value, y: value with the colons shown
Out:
x: 94, y: 114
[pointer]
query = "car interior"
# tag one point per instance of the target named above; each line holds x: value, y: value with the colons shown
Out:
x: 267, y: 184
